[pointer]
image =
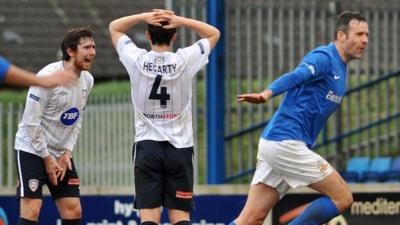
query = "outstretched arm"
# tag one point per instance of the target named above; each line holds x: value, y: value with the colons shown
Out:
x: 255, y: 97
x: 17, y: 76
x: 279, y: 86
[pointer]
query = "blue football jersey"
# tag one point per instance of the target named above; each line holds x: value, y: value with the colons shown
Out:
x: 307, y: 106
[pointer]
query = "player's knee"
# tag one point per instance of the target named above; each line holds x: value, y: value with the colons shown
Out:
x: 348, y: 200
x: 344, y: 202
x: 72, y: 210
x: 30, y: 212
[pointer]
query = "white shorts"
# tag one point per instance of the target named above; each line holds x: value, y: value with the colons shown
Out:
x: 288, y: 164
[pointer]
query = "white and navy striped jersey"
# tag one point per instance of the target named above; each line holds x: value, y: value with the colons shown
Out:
x: 52, y: 117
x: 162, y: 89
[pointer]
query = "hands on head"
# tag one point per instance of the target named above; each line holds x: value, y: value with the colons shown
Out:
x: 157, y: 16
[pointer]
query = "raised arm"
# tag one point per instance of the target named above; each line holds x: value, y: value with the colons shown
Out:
x: 118, y: 27
x: 204, y: 30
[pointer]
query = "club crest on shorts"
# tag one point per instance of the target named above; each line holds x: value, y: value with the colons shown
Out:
x: 33, y: 184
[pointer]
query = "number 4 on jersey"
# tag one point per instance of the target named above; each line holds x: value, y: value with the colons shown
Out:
x: 162, y: 96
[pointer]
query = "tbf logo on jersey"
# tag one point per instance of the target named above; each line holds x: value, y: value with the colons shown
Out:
x: 70, y: 116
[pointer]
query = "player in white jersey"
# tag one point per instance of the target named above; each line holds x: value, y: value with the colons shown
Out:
x: 48, y: 131
x: 161, y: 94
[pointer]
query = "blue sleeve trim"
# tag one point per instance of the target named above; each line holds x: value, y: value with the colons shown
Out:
x: 34, y: 97
x: 292, y: 79
x: 4, y: 66
x: 201, y: 47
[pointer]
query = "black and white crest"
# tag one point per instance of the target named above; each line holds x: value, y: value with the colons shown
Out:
x: 33, y: 184
x: 84, y: 94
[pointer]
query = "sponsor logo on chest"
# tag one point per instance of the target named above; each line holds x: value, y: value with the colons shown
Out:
x: 70, y: 116
x: 334, y: 97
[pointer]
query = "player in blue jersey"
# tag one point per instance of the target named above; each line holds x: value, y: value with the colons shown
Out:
x: 12, y: 74
x: 314, y: 89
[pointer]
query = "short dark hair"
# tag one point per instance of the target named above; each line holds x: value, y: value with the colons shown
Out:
x: 343, y: 20
x: 159, y: 35
x: 72, y: 39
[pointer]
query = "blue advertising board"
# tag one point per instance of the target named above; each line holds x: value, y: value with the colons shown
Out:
x: 367, y: 209
x: 118, y: 210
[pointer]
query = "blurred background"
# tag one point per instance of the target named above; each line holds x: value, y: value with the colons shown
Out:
x: 261, y: 40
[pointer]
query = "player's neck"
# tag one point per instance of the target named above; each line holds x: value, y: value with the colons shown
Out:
x: 70, y: 66
x: 342, y: 53
x: 161, y: 48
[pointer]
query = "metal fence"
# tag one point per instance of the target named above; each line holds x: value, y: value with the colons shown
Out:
x: 102, y: 153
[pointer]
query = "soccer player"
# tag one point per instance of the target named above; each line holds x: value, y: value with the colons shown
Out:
x: 314, y: 89
x: 161, y: 94
x: 11, y: 74
x: 48, y: 131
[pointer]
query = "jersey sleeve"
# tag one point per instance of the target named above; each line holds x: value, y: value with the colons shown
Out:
x: 36, y: 101
x: 4, y: 66
x: 313, y: 66
x: 128, y: 52
x: 89, y: 82
x: 196, y: 55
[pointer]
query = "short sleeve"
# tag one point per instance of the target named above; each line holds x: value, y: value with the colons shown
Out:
x: 196, y: 55
x: 89, y: 81
x: 127, y: 50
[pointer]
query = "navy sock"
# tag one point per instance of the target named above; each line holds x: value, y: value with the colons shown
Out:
x: 23, y: 221
x: 183, y: 222
x: 318, y: 212
x: 148, y: 223
x: 71, y: 222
